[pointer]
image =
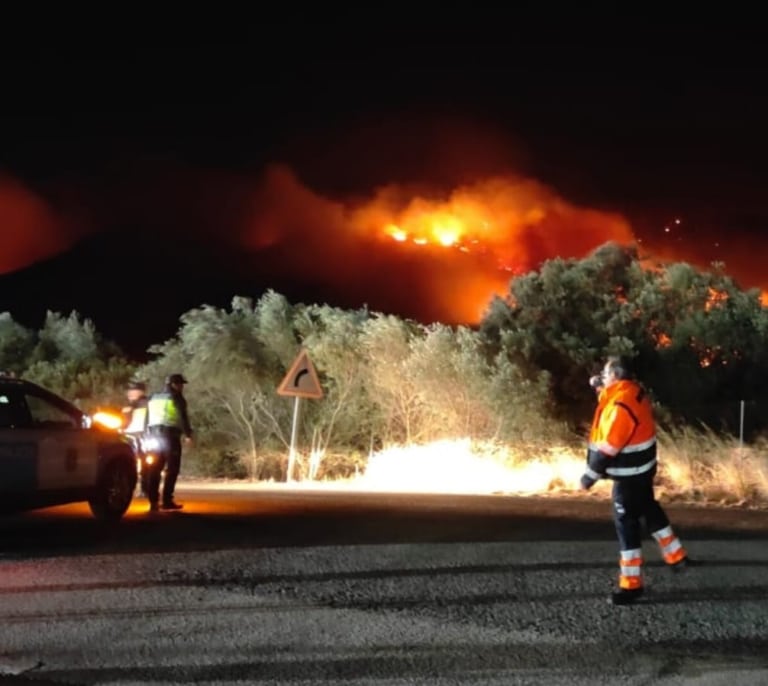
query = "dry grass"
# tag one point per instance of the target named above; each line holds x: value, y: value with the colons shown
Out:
x: 694, y: 467
x: 704, y: 467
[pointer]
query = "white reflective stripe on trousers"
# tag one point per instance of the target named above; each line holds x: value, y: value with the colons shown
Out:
x: 631, y: 562
x: 631, y: 471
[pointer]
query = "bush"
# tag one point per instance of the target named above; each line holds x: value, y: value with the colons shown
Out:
x: 216, y: 464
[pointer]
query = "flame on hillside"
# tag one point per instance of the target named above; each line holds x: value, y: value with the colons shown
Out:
x: 715, y: 298
x: 424, y: 252
x: 427, y: 254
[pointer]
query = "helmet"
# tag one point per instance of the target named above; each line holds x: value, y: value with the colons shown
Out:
x: 175, y: 378
x: 136, y: 386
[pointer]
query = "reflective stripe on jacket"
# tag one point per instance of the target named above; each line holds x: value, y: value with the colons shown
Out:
x: 622, y: 440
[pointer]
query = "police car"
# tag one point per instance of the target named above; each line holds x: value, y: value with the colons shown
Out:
x: 52, y: 453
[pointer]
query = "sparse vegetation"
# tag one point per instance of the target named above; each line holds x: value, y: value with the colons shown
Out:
x: 706, y: 467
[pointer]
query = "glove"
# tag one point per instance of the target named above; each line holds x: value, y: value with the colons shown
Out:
x: 586, y: 482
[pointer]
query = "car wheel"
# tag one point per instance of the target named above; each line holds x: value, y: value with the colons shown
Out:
x: 114, y: 492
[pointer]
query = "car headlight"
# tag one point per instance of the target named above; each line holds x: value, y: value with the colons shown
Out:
x: 108, y: 420
x: 150, y: 444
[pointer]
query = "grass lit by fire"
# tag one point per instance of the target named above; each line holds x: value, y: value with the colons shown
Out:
x: 464, y: 466
x: 695, y: 468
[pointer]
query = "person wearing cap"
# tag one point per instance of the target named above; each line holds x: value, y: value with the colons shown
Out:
x: 135, y: 422
x: 167, y: 422
x: 622, y: 447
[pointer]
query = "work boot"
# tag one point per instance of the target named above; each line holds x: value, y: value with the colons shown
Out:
x: 171, y: 505
x: 153, y: 507
x: 626, y: 596
x: 681, y: 565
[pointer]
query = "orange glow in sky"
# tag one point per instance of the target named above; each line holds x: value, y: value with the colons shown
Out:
x: 443, y: 254
x: 427, y: 253
x: 29, y: 229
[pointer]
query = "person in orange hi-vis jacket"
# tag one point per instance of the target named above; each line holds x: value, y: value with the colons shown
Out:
x: 622, y: 447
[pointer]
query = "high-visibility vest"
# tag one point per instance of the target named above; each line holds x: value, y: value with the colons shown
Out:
x: 163, y: 411
x: 623, y: 428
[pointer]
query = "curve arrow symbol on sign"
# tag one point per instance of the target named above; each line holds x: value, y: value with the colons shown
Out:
x: 301, y: 380
x: 298, y: 377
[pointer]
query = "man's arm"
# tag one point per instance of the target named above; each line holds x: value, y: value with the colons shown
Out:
x: 186, y: 427
x: 597, y: 463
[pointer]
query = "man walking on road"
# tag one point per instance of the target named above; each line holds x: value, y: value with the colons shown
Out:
x: 622, y: 447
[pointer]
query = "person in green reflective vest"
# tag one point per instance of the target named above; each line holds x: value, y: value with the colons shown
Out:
x: 167, y: 423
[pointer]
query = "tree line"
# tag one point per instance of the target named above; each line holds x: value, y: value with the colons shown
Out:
x: 697, y: 341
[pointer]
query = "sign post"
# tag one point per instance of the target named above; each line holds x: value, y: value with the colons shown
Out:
x: 300, y: 382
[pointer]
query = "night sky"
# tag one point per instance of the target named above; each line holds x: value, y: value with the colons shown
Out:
x: 140, y: 178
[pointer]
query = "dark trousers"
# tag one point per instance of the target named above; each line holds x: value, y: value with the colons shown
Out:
x: 169, y: 458
x: 635, y: 505
x: 172, y: 467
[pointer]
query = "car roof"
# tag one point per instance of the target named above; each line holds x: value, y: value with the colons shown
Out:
x: 8, y: 382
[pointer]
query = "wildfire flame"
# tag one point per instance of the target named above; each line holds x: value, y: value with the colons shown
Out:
x: 715, y: 299
x: 428, y: 255
x: 432, y: 254
x: 459, y: 466
x: 516, y: 222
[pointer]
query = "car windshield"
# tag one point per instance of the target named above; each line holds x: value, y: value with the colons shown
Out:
x: 28, y: 406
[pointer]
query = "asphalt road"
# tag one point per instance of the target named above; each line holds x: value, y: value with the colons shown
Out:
x: 222, y: 517
x: 323, y: 587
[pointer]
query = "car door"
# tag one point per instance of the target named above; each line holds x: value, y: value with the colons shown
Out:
x: 67, y: 453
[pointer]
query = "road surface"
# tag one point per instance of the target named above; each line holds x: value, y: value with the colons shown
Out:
x: 297, y: 586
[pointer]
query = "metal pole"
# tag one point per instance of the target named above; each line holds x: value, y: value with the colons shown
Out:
x: 741, y: 428
x: 294, y: 433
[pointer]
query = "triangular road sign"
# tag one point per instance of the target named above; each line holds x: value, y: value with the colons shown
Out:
x: 301, y: 379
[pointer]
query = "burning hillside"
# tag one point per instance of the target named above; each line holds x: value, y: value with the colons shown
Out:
x: 423, y: 252
x: 435, y: 256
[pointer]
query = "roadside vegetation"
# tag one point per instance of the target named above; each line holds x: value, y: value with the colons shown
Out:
x: 512, y: 393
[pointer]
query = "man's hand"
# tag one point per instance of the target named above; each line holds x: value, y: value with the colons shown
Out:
x: 586, y: 482
x: 188, y: 440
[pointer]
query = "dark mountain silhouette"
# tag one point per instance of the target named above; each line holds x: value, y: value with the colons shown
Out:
x: 133, y: 289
